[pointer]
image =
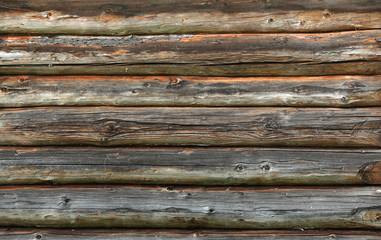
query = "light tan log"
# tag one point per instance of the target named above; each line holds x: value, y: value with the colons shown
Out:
x: 118, y: 17
x: 330, y: 91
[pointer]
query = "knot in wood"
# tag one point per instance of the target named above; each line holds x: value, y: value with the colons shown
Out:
x: 239, y: 168
x: 370, y: 173
x: 354, y: 85
x: 112, y: 9
x: 65, y: 202
x: 175, y: 83
x: 271, y: 124
x: 38, y: 236
x: 112, y: 127
x: 266, y: 167
x: 281, y: 40
x: 326, y: 14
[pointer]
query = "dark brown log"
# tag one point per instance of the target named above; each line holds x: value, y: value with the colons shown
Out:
x: 215, y: 55
x: 164, y: 207
x: 232, y: 70
x: 22, y: 91
x: 182, y: 234
x: 118, y: 17
x: 108, y: 126
x: 191, y: 166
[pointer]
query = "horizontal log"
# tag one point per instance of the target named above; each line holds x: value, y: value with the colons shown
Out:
x: 117, y: 17
x: 22, y: 91
x: 183, y: 234
x: 111, y: 126
x: 224, y: 54
x: 229, y: 70
x: 163, y: 207
x: 191, y: 166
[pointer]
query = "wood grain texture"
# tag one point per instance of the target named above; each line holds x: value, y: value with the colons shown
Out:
x: 111, y: 126
x: 191, y: 166
x: 163, y: 207
x: 118, y: 17
x: 24, y: 91
x: 214, y: 55
x: 183, y: 234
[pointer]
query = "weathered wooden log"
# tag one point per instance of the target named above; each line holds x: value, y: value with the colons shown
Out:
x: 191, y: 166
x: 229, y: 70
x: 118, y: 17
x: 224, y: 54
x: 110, y: 126
x: 184, y: 234
x: 22, y: 91
x: 164, y: 207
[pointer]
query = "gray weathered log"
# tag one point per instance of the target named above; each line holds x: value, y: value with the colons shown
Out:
x: 214, y: 55
x: 118, y: 17
x: 111, y: 126
x: 191, y: 166
x: 22, y: 91
x: 164, y: 207
x: 183, y: 234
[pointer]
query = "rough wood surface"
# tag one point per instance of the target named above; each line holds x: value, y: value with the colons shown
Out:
x: 191, y: 166
x: 22, y: 91
x: 183, y: 234
x: 112, y: 126
x: 118, y: 17
x: 163, y: 207
x: 223, y: 54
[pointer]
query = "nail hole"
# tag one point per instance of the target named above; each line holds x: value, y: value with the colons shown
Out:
x: 169, y: 189
x: 134, y: 91
x: 38, y: 236
x: 50, y: 14
x: 21, y: 79
x: 4, y: 89
x: 270, y: 20
x: 211, y: 210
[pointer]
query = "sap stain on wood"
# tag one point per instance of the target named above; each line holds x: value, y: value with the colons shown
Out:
x: 160, y: 207
x: 22, y: 91
x: 118, y: 17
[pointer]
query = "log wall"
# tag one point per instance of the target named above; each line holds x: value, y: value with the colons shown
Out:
x: 174, y: 119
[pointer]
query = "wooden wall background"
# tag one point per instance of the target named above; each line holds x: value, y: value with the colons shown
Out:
x: 175, y: 119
